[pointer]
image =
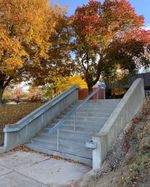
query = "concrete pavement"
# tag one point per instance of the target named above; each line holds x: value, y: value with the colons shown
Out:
x: 30, y: 169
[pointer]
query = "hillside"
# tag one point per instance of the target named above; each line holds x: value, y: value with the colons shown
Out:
x: 128, y: 163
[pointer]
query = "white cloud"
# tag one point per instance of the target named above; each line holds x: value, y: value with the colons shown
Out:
x: 146, y: 27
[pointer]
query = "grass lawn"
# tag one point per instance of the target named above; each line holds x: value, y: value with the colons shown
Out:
x: 10, y: 114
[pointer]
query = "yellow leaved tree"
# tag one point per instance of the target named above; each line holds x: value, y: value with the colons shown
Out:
x: 25, y: 29
x: 67, y: 82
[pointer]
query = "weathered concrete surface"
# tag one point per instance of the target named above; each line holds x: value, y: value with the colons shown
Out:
x: 15, y: 179
x: 128, y: 107
x: 30, y: 125
x: 77, y: 129
x: 4, y: 170
x: 29, y: 169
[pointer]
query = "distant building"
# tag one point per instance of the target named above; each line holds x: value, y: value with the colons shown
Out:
x: 145, y: 76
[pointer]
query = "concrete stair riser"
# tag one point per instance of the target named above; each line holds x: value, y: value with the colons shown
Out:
x: 53, y: 142
x: 82, y: 126
x: 95, y: 109
x: 87, y: 119
x: 65, y: 136
x: 61, y: 154
x: 80, y: 151
x: 91, y: 114
x: 82, y: 120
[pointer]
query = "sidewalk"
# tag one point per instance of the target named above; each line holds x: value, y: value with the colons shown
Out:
x: 29, y: 169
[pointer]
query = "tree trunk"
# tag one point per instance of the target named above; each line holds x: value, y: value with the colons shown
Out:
x: 90, y: 89
x: 3, y: 84
x: 1, y: 94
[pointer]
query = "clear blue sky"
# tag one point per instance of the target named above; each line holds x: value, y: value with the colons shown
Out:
x: 142, y: 7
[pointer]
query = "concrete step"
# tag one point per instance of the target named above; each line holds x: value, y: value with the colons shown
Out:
x: 52, y: 140
x: 77, y: 133
x: 84, y: 124
x: 96, y: 108
x: 69, y: 135
x: 84, y: 118
x: 82, y: 128
x: 91, y: 114
x: 40, y: 148
x: 104, y: 100
x: 82, y: 113
x: 95, y: 105
x: 90, y: 118
x: 65, y: 147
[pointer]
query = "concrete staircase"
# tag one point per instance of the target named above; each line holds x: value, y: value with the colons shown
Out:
x: 69, y: 140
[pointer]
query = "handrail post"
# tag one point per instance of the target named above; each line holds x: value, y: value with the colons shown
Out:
x: 58, y: 139
x: 87, y: 112
x: 97, y: 95
x: 75, y: 121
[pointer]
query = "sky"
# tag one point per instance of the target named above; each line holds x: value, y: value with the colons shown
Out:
x: 142, y: 7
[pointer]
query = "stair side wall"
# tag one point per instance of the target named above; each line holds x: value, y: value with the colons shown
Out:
x: 25, y: 129
x: 129, y: 106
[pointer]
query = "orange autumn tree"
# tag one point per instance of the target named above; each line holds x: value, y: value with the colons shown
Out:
x: 106, y: 35
x: 25, y: 28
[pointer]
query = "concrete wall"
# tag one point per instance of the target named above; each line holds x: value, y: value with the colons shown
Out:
x: 128, y: 107
x: 83, y: 93
x: 27, y: 127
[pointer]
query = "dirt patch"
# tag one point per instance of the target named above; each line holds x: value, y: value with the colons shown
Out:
x: 128, y: 162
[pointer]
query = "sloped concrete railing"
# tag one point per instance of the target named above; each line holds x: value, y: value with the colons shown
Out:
x: 128, y: 107
x: 30, y: 125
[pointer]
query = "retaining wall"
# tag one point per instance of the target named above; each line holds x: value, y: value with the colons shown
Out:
x: 83, y: 93
x: 128, y: 107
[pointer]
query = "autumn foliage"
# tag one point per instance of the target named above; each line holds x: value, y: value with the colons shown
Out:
x: 24, y: 26
x: 102, y: 30
x: 38, y: 41
x: 25, y: 30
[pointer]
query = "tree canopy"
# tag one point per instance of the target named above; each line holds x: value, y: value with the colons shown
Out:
x: 38, y: 42
x: 105, y: 35
x: 28, y: 36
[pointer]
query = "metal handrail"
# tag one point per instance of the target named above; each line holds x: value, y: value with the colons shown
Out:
x: 1, y: 135
x: 57, y: 125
